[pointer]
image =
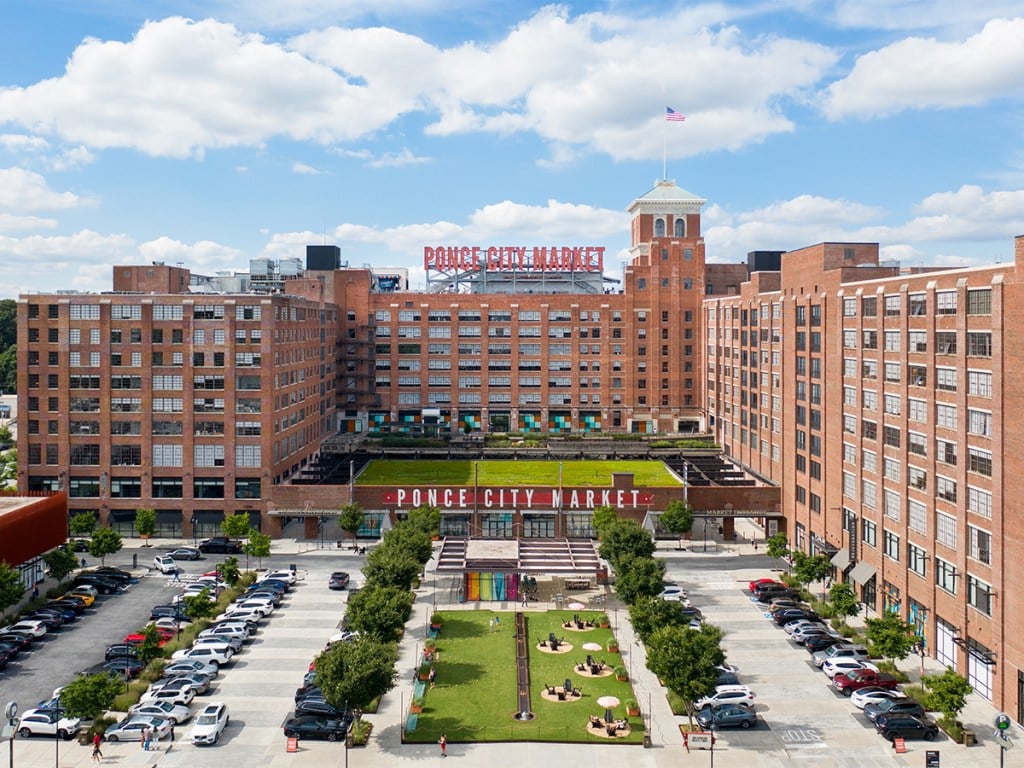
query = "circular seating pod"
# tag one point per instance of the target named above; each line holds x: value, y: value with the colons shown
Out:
x: 593, y: 670
x: 545, y: 647
x: 558, y: 695
x: 579, y: 626
x: 605, y: 731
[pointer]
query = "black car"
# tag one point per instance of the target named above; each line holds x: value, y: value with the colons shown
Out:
x: 168, y: 611
x: 9, y: 650
x: 75, y: 604
x: 121, y: 650
x: 338, y: 580
x: 876, y: 709
x: 317, y: 727
x: 768, y: 592
x: 21, y: 640
x: 275, y: 584
x: 78, y: 545
x: 821, y: 642
x: 317, y: 705
x: 119, y: 667
x: 102, y: 584
x: 116, y: 574
x: 905, y: 727
x: 307, y: 690
x: 185, y: 553
x: 51, y: 621
x: 220, y: 545
x: 786, y: 615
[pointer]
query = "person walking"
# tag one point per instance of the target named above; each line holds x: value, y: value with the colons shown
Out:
x: 145, y: 738
x: 97, y: 755
x: 443, y: 741
x: 432, y: 676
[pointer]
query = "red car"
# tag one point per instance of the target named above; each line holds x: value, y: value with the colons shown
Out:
x: 753, y: 585
x: 138, y: 638
x: 855, y: 679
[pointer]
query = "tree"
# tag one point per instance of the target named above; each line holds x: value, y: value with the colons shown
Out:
x: 149, y: 648
x: 60, y: 563
x: 229, y: 572
x: 351, y: 519
x: 426, y: 518
x: 685, y: 660
x: 82, y: 524
x: 603, y: 517
x: 257, y: 546
x: 890, y: 636
x: 199, y: 606
x: 677, y: 518
x: 648, y: 614
x: 639, y: 577
x: 625, y: 539
x: 9, y: 368
x: 411, y: 539
x: 6, y: 436
x: 391, y: 567
x: 89, y: 696
x: 355, y: 673
x: 236, y: 526
x: 949, y: 693
x: 776, y: 546
x: 811, y: 568
x: 11, y: 586
x: 8, y: 324
x: 145, y: 523
x: 380, y: 612
x: 843, y: 600
x: 104, y: 541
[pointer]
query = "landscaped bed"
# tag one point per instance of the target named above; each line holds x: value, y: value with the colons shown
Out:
x: 474, y: 697
x: 574, y: 474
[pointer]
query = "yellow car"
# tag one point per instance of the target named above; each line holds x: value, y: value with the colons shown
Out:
x: 85, y: 597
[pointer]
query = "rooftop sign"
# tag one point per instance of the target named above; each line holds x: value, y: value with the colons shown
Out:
x: 511, y: 258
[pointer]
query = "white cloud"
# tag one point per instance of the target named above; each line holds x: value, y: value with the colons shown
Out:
x: 201, y: 256
x: 72, y: 159
x: 83, y: 260
x: 920, y: 14
x: 305, y: 169
x: 12, y: 223
x: 21, y: 143
x: 398, y: 159
x: 919, y: 73
x: 22, y: 190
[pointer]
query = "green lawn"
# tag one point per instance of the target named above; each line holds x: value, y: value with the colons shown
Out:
x: 513, y: 473
x: 474, y: 698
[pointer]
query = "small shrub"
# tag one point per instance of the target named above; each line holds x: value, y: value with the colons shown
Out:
x: 953, y: 728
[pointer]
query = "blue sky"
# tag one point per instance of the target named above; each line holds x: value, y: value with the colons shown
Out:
x: 210, y: 133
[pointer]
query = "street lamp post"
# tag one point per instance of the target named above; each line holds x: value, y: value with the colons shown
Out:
x: 195, y: 533
x: 705, y: 534
x: 57, y: 714
x: 11, y: 713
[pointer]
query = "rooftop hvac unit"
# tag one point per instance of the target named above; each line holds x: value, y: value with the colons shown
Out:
x: 290, y: 267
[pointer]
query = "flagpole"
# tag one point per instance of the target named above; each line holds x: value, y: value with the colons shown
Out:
x: 664, y: 150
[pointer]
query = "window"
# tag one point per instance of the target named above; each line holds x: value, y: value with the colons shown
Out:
x: 869, y: 533
x: 917, y: 560
x: 945, y: 575
x: 979, y: 302
x: 870, y: 400
x: 167, y: 455
x: 850, y: 339
x: 892, y: 405
x: 917, y: 341
x: 979, y: 502
x: 979, y: 344
x: 892, y: 341
x: 869, y: 497
x: 917, y: 516
x: 892, y: 372
x: 892, y: 505
x: 891, y: 436
x: 869, y: 306
x: 917, y: 305
x: 892, y: 306
x: 979, y: 461
x: 892, y: 469
x: 945, y: 303
x: 945, y: 415
x: 979, y: 595
x: 850, y: 306
x: 980, y: 543
x: 945, y: 379
x: 945, y: 451
x: 869, y: 430
x: 979, y: 422
x: 891, y: 545
x: 945, y: 488
x: 917, y: 478
x: 979, y: 383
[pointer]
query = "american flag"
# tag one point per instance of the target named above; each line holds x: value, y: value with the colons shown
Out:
x: 672, y: 115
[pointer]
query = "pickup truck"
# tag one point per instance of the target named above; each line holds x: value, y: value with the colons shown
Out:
x: 220, y: 545
x: 855, y: 679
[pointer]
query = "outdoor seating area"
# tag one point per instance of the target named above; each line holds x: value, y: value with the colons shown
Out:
x: 609, y: 728
x: 579, y: 625
x: 554, y: 644
x: 565, y: 692
x: 592, y: 667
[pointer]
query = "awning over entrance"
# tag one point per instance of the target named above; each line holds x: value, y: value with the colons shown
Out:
x: 862, y: 573
x: 841, y: 559
x: 561, y: 557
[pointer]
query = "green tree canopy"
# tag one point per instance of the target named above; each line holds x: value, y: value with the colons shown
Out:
x: 638, y: 577
x: 229, y: 571
x: 236, y: 526
x: 843, y: 600
x: 8, y: 323
x: 648, y: 614
x: 145, y: 522
x: 82, y: 524
x: 603, y: 517
x: 355, y: 673
x: 199, y: 606
x: 11, y: 587
x: 677, y: 518
x: 625, y: 539
x: 104, y: 541
x: 89, y: 696
x: 9, y: 368
x: 60, y: 563
x: 380, y: 612
x: 258, y: 545
x: 351, y: 519
x: 426, y: 518
x: 149, y: 648
x: 810, y: 568
x: 890, y: 636
x: 776, y: 546
x: 949, y: 692
x: 391, y: 567
x: 685, y: 659
x: 409, y: 538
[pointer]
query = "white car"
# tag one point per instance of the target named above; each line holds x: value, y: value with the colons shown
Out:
x: 44, y: 722
x: 210, y: 723
x: 176, y: 713
x: 181, y: 696
x: 286, y: 575
x: 85, y: 589
x: 801, y: 634
x: 841, y: 651
x: 240, y: 614
x: 263, y: 605
x: 165, y: 564
x: 166, y: 622
x: 873, y: 694
x: 233, y: 642
x: 739, y: 695
x: 833, y: 666
x: 130, y: 729
x: 28, y: 626
x: 193, y: 590
x: 792, y: 626
x: 226, y: 632
x: 212, y: 654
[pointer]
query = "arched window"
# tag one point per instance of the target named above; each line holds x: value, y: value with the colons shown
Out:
x: 680, y: 228
x: 659, y: 227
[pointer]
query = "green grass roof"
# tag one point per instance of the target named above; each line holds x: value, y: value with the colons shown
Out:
x: 513, y: 473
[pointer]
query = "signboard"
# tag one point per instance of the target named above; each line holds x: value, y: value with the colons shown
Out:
x: 851, y: 527
x: 1003, y: 721
x: 512, y: 258
x: 701, y: 740
x: 931, y: 758
x: 517, y: 498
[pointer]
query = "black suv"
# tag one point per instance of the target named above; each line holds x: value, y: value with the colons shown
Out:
x: 220, y: 545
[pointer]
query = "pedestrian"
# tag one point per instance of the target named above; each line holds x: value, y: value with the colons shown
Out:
x: 755, y: 546
x: 432, y: 676
x: 526, y: 599
x: 97, y: 739
x: 35, y: 591
x: 443, y: 741
x: 83, y: 562
x: 177, y: 574
x: 491, y: 625
x: 172, y: 730
x: 146, y: 738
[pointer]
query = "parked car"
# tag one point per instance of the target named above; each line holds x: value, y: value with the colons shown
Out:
x: 173, y: 625
x: 102, y: 584
x: 226, y: 632
x: 50, y: 619
x: 316, y: 704
x: 805, y: 633
x: 790, y: 627
x: 199, y: 682
x: 848, y: 682
x: 317, y: 727
x: 756, y: 584
x: 119, y: 650
x: 75, y: 604
x: 900, y: 706
x: 822, y: 642
x: 20, y: 640
x: 726, y: 716
x: 131, y: 728
x: 739, y: 695
x: 176, y: 713
x: 338, y: 580
x: 286, y: 575
x: 32, y: 627
x: 210, y: 723
x: 185, y: 553
x: 785, y: 615
x: 168, y: 611
x: 179, y: 695
x: 768, y: 592
x: 209, y: 653
x: 120, y: 667
x: 237, y: 614
x: 220, y: 545
x: 190, y: 667
x: 234, y: 642
x: 842, y: 650
x: 264, y: 594
x: 906, y: 727
x: 833, y: 666
x: 117, y: 574
x: 263, y: 605
x: 46, y: 722
x: 86, y: 592
x: 874, y: 695
x: 138, y: 638
x: 165, y: 564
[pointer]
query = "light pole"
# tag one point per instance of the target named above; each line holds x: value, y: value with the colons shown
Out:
x: 705, y: 534
x: 195, y: 533
x: 11, y: 713
x: 57, y: 713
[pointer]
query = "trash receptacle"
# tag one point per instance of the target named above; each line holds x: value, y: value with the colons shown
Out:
x: 135, y: 560
x: 293, y: 567
x: 647, y: 739
x: 969, y: 738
